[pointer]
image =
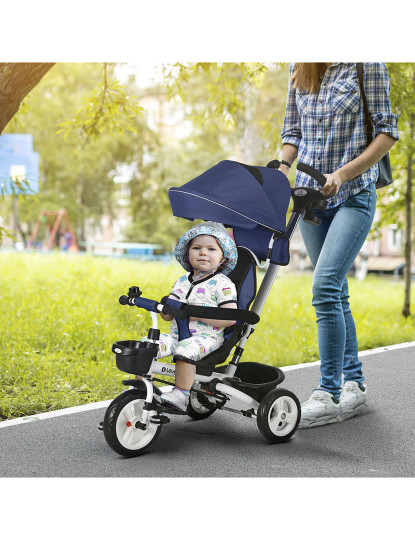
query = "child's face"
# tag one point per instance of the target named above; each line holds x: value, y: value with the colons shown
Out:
x: 205, y: 253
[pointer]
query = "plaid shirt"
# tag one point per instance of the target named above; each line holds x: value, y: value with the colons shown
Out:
x: 328, y: 127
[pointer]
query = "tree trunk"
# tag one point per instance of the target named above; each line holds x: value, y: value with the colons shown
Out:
x: 406, y: 311
x: 16, y: 81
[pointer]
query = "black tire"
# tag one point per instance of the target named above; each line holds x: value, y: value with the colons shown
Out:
x: 128, y: 441
x: 200, y: 406
x: 278, y: 415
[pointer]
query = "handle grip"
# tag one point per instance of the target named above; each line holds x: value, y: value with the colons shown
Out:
x: 311, y: 171
x: 144, y: 303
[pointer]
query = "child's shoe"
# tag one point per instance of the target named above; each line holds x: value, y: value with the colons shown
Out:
x: 176, y: 399
x: 352, y: 399
x: 319, y: 409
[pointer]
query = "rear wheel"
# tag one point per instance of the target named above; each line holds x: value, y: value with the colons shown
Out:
x: 278, y: 415
x: 120, y: 423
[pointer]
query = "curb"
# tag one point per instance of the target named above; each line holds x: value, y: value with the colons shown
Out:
x: 102, y: 404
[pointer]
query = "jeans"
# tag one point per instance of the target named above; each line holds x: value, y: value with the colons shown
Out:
x: 332, y: 247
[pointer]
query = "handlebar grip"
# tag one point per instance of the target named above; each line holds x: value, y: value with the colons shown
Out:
x: 311, y: 171
x: 145, y: 303
x: 124, y: 300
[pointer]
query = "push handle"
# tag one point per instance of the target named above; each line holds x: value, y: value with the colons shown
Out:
x: 311, y: 171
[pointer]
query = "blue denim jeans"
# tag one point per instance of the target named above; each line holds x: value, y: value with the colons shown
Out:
x: 332, y: 247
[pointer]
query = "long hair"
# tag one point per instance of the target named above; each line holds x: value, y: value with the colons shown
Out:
x: 307, y: 76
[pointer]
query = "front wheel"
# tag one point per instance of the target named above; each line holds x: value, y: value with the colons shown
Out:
x: 278, y: 415
x: 120, y: 421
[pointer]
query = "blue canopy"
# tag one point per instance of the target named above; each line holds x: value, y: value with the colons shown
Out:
x: 252, y: 200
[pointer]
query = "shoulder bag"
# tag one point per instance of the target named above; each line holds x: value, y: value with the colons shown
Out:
x: 384, y: 165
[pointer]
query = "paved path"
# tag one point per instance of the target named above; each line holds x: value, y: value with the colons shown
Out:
x: 378, y: 443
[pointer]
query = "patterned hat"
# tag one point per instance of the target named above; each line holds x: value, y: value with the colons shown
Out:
x: 211, y: 228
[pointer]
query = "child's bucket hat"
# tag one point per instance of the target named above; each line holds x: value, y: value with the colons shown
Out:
x: 230, y: 252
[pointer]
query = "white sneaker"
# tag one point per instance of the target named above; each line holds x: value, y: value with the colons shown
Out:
x: 175, y: 399
x: 352, y: 399
x: 319, y: 409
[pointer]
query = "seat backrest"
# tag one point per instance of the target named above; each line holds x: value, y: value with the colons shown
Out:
x: 244, y: 278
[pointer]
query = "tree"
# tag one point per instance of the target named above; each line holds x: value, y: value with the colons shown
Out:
x: 244, y: 102
x: 78, y: 158
x: 399, y: 201
x: 16, y: 81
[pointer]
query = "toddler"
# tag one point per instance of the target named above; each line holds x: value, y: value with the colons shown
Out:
x: 208, y: 254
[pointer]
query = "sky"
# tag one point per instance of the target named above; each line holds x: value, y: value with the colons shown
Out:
x: 219, y: 30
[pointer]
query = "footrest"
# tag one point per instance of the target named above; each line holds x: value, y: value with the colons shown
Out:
x: 165, y: 408
x: 160, y: 419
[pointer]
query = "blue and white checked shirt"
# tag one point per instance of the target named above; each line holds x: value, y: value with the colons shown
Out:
x: 328, y: 127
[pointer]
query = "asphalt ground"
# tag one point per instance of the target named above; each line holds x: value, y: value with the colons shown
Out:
x: 379, y: 443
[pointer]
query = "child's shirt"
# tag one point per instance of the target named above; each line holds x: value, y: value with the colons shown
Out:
x: 215, y: 290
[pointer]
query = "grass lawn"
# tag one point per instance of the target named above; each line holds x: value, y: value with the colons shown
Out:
x: 60, y: 315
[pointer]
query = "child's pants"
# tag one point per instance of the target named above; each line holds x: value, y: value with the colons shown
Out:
x: 191, y: 350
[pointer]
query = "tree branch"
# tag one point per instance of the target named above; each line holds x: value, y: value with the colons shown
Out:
x: 16, y: 81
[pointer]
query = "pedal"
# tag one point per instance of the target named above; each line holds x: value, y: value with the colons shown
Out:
x: 160, y: 419
x: 203, y: 400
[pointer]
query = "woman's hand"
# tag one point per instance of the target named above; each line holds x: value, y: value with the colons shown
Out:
x: 284, y: 169
x: 333, y: 184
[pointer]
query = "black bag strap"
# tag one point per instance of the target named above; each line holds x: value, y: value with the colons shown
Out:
x: 368, y: 125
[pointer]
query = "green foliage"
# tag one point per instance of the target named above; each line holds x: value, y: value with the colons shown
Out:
x: 107, y: 108
x: 392, y: 202
x: 77, y: 172
x: 60, y: 315
x: 17, y: 187
x: 236, y: 99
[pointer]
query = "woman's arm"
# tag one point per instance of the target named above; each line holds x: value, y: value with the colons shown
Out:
x: 291, y: 130
x: 289, y: 153
x: 377, y: 87
x: 216, y: 322
x: 371, y: 155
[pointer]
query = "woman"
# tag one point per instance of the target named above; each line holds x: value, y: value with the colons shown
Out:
x: 324, y: 127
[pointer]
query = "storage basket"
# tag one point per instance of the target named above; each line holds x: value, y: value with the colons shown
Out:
x: 134, y: 357
x: 256, y: 379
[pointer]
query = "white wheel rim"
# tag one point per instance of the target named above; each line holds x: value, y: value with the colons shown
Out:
x: 128, y: 435
x: 282, y: 416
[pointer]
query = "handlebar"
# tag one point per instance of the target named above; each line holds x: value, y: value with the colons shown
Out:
x: 307, y: 199
x: 311, y: 171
